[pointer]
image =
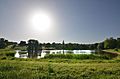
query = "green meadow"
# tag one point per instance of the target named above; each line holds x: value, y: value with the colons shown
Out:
x: 59, y: 67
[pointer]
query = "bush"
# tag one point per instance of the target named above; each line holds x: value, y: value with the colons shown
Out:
x: 6, y: 52
x: 77, y: 56
x: 10, y: 54
x: 115, y: 49
x: 3, y: 58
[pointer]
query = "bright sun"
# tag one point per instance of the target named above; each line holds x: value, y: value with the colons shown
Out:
x: 41, y: 21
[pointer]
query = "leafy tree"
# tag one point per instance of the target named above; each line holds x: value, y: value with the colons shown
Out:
x: 2, y: 43
x: 91, y: 46
x: 36, y: 45
x: 100, y: 46
x: 63, y: 43
x: 48, y: 45
x: 106, y: 44
x: 113, y: 43
x: 110, y: 43
x: 53, y: 45
x: 118, y: 42
x: 33, y: 47
x: 22, y: 43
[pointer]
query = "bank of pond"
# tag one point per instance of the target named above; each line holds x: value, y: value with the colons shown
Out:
x: 69, y: 54
x: 58, y: 54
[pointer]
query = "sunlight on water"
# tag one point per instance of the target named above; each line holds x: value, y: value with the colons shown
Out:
x: 44, y: 52
x: 42, y: 55
x: 17, y: 55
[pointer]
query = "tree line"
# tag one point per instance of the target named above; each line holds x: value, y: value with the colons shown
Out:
x: 108, y: 43
x: 4, y: 43
x: 111, y: 43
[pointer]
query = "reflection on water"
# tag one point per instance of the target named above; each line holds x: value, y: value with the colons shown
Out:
x: 42, y: 55
x: 44, y: 52
x: 17, y: 55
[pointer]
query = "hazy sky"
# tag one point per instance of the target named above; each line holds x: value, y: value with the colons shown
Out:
x: 82, y: 21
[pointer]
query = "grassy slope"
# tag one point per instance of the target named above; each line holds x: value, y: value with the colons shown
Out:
x: 14, y: 69
x: 113, y: 51
x: 6, y: 52
x: 11, y: 68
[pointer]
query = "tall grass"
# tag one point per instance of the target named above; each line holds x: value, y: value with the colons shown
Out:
x: 46, y: 70
x: 59, y: 66
x: 7, y: 52
x: 77, y: 56
x: 23, y: 48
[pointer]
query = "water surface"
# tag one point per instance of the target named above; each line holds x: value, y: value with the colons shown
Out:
x: 44, y: 52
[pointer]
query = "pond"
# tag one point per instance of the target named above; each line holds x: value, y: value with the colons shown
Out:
x: 44, y: 52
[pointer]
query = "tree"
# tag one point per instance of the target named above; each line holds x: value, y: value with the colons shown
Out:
x: 33, y: 46
x: 100, y: 46
x: 113, y: 43
x: 48, y: 45
x: 36, y: 45
x: 2, y: 43
x: 106, y: 44
x: 53, y: 45
x: 118, y: 42
x: 22, y: 43
x: 63, y: 46
x: 110, y: 43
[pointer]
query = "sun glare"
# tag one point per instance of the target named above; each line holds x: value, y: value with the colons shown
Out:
x: 41, y: 21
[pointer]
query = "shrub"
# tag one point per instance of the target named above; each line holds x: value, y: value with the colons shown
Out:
x: 77, y: 56
x: 3, y: 58
x: 10, y: 54
x: 115, y: 49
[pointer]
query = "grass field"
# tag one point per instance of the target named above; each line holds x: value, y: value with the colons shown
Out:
x: 14, y: 69
x: 78, y: 56
x: 7, y: 52
x: 56, y: 67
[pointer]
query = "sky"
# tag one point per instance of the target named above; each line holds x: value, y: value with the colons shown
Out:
x: 77, y: 21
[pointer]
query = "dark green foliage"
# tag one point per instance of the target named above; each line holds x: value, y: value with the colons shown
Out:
x: 22, y: 43
x: 13, y: 46
x: 100, y: 46
x: 2, y: 43
x: 3, y: 58
x: 74, y: 56
x: 7, y: 67
x: 48, y: 45
x: 116, y: 49
x: 33, y: 47
x: 70, y: 46
x: 110, y: 43
x: 63, y: 46
x: 118, y: 42
x: 50, y: 69
x: 5, y: 52
x: 10, y: 54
